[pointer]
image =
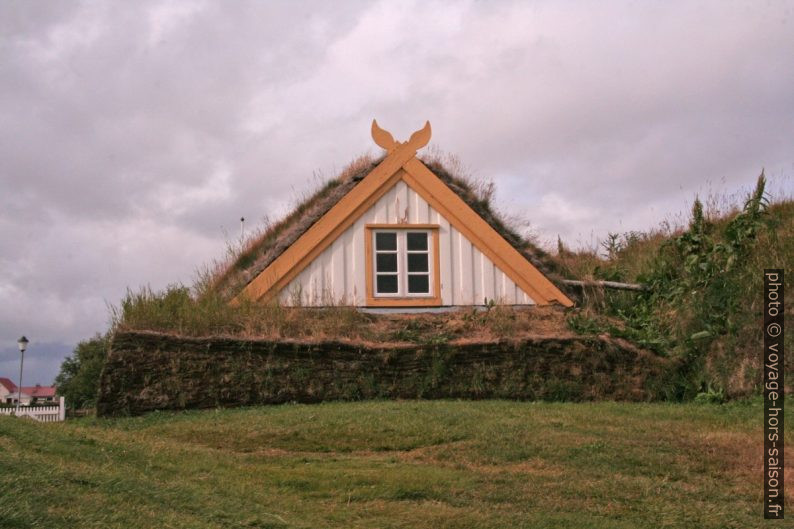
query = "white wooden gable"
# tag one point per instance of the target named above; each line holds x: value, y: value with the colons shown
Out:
x: 337, y: 276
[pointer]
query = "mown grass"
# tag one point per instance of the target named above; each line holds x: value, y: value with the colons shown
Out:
x: 391, y: 464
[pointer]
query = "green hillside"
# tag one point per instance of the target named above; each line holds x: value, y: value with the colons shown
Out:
x: 705, y: 291
x: 445, y: 464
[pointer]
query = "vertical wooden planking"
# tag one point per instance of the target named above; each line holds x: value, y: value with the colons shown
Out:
x: 413, y: 207
x: 465, y: 274
x: 424, y: 212
x: 320, y: 280
x: 488, y: 270
x: 324, y: 285
x: 311, y: 292
x: 300, y: 285
x: 498, y: 285
x: 337, y: 279
x: 526, y: 299
x: 510, y: 290
x: 283, y: 296
x: 353, y: 266
x: 311, y: 286
x: 402, y: 205
x: 288, y: 292
x: 446, y: 259
x: 377, y: 212
x: 382, y: 208
x: 347, y: 238
x: 454, y: 269
x: 357, y: 276
x: 388, y: 206
x: 476, y: 273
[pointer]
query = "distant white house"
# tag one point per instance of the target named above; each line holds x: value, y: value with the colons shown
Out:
x: 37, y: 394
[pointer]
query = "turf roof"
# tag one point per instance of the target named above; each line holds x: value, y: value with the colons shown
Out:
x: 264, y: 249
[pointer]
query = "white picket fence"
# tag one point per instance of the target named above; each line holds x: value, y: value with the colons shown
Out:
x: 54, y: 413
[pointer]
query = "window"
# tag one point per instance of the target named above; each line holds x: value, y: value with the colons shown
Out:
x: 402, y: 265
x: 417, y: 252
x: 386, y: 256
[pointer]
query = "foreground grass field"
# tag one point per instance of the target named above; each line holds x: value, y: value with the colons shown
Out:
x: 392, y: 464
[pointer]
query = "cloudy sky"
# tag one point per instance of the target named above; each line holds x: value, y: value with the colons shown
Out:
x: 133, y: 135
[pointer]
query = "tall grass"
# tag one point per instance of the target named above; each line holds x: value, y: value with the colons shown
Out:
x: 201, y: 312
x: 178, y: 310
x: 704, y: 303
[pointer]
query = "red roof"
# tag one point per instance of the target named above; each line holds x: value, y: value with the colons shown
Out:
x: 10, y: 386
x: 39, y: 391
x: 32, y: 391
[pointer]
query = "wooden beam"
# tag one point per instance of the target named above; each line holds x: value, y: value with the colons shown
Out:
x: 607, y: 284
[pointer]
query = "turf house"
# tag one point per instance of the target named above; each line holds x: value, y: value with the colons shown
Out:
x: 396, y: 234
x: 390, y: 249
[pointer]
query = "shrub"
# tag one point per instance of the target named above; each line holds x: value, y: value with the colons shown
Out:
x: 78, y: 379
x: 703, y: 305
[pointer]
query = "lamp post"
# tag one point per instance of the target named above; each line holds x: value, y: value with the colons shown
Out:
x: 23, y: 344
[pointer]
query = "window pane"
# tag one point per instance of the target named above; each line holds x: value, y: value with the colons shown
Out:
x: 386, y: 262
x: 417, y: 262
x: 418, y: 284
x: 417, y: 241
x: 387, y: 284
x: 385, y: 241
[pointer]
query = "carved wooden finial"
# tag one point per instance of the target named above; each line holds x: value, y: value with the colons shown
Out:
x: 384, y: 139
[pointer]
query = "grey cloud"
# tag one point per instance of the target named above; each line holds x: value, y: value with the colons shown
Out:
x: 41, y: 362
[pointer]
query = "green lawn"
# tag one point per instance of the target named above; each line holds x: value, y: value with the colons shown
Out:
x: 392, y: 464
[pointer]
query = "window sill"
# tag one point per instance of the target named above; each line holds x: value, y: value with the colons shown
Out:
x: 418, y: 301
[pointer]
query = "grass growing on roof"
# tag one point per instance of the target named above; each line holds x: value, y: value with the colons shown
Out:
x: 177, y: 310
x: 391, y: 464
x: 263, y: 246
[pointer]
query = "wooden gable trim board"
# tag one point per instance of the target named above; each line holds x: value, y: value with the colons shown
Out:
x: 433, y: 300
x: 401, y: 163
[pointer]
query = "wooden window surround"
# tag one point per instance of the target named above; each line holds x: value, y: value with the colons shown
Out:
x: 402, y: 298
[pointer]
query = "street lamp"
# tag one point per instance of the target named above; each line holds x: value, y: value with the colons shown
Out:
x: 23, y: 344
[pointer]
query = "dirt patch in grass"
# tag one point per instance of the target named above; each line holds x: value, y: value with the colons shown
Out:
x: 735, y: 454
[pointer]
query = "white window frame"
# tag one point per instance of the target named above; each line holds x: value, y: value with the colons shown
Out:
x: 402, y: 263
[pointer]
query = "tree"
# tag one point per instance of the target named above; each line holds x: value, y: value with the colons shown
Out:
x: 78, y: 380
